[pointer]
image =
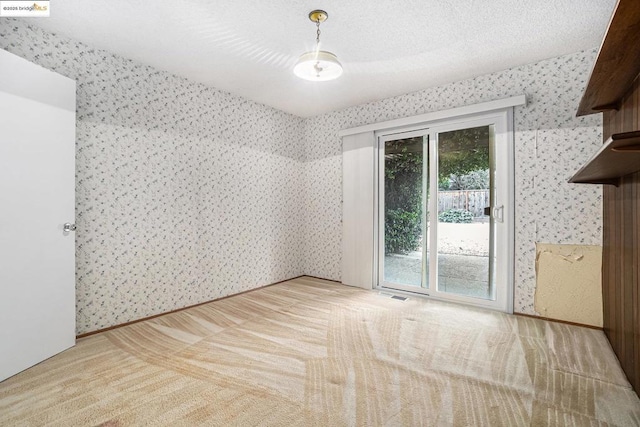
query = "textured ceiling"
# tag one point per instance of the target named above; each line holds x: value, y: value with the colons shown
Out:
x: 387, y: 48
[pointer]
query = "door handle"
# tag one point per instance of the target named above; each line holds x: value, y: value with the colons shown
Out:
x: 498, y: 213
x: 67, y: 227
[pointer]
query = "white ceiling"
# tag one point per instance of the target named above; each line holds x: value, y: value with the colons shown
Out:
x: 387, y: 48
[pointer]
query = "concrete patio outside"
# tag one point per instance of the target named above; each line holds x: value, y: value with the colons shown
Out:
x: 463, y: 261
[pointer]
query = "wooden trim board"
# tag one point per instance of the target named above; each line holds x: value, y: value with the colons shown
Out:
x: 483, y: 107
x: 566, y: 322
x: 120, y: 325
x: 99, y: 331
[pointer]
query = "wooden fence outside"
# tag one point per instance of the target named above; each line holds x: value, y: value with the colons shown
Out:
x: 471, y: 200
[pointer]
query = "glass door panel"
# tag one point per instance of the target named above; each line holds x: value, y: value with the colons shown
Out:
x: 405, y: 182
x: 464, y: 232
x: 445, y: 218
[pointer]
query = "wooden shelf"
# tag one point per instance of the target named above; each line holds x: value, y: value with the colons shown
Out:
x: 619, y: 156
x: 618, y: 62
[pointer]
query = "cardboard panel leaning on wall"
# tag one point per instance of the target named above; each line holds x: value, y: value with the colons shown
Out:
x: 569, y: 283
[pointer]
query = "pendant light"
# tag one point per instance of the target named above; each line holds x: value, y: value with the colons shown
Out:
x: 318, y: 65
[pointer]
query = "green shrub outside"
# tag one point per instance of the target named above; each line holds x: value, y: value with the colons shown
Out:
x: 403, y: 195
x: 459, y: 216
x: 403, y: 229
x: 463, y: 152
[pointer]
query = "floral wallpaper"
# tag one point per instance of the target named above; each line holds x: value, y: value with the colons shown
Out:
x: 184, y: 193
x: 550, y: 145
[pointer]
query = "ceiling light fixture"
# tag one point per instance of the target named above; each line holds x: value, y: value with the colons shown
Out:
x: 318, y: 65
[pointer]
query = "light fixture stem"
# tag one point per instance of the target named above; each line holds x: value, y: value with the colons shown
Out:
x: 318, y: 32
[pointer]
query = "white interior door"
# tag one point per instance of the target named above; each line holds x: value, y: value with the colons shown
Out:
x: 37, y: 196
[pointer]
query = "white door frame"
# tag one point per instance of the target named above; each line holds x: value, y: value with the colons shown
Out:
x: 502, y: 120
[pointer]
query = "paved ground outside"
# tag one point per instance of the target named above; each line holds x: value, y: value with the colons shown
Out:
x: 463, y: 261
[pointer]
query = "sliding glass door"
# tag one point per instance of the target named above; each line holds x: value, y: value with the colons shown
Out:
x: 444, y: 225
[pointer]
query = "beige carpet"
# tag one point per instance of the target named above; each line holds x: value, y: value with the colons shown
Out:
x: 309, y: 352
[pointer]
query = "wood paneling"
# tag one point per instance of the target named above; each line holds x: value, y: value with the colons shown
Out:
x: 621, y: 248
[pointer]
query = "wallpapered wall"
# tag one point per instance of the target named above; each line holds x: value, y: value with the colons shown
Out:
x: 183, y: 193
x: 550, y: 145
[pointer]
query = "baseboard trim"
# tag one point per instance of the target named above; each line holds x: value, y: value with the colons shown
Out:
x: 319, y: 278
x: 120, y: 325
x: 566, y: 322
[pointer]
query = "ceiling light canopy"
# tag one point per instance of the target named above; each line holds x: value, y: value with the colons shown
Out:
x: 318, y: 65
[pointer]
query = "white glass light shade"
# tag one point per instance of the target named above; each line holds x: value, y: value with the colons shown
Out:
x: 318, y: 66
